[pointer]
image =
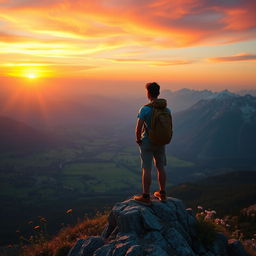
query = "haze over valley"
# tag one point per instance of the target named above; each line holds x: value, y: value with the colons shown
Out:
x: 80, y: 153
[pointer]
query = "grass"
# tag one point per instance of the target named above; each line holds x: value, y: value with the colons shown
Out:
x: 108, y: 176
x: 73, y: 182
x: 38, y: 178
x: 106, y: 156
x: 129, y: 159
x: 206, y: 231
x: 11, y: 190
x: 118, y: 171
x: 178, y: 163
x: 60, y: 244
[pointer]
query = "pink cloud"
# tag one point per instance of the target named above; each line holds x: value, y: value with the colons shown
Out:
x: 151, y: 23
x: 234, y: 58
x: 240, y: 16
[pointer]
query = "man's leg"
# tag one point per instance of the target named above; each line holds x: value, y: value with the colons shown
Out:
x: 160, y: 163
x: 161, y: 174
x: 146, y: 180
x: 146, y: 165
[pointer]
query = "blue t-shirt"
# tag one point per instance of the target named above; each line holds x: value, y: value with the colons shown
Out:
x: 145, y: 113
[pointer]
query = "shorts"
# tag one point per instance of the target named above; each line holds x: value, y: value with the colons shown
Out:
x: 150, y: 152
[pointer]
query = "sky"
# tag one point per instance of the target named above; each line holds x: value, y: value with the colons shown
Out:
x: 197, y: 44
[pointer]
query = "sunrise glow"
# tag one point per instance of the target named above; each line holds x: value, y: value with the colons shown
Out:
x: 184, y: 41
x: 31, y: 76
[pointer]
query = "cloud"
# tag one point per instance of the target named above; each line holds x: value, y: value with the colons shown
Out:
x: 73, y: 31
x: 163, y: 23
x: 234, y: 58
x: 155, y: 62
x: 240, y: 16
x: 8, y: 37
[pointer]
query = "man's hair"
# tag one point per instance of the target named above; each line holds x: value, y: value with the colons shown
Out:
x: 153, y: 89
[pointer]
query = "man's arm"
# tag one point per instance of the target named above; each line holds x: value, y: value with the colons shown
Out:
x: 138, y: 132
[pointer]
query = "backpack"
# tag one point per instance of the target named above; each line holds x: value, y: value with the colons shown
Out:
x: 161, y: 123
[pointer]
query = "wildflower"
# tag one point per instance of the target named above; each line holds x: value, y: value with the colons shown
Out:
x: 69, y: 211
x: 30, y: 222
x: 209, y: 215
x: 189, y: 209
x: 42, y: 219
x: 241, y: 236
x: 217, y: 221
x: 199, y: 207
x: 37, y: 227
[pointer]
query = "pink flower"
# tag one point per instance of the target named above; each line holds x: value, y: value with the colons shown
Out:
x: 69, y: 211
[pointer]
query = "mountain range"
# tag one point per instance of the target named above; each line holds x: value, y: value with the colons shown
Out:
x: 185, y: 98
x: 227, y: 193
x: 209, y: 127
x: 217, y: 130
x: 18, y: 137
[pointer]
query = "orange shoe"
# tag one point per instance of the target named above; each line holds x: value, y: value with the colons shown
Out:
x: 143, y: 199
x: 160, y: 196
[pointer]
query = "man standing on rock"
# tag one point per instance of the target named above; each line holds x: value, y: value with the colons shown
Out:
x: 153, y: 132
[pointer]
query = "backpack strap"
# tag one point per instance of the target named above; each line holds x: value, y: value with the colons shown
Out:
x: 144, y: 125
x: 149, y: 105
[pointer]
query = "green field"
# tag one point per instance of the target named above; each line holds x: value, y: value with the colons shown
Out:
x: 82, y: 168
x: 100, y: 177
x: 84, y: 176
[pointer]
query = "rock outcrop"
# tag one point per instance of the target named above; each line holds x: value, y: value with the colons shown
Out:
x: 161, y: 229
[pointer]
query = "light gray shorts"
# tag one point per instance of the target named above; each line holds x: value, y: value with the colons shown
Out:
x: 150, y: 152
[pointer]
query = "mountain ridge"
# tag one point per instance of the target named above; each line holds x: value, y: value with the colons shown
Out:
x: 219, y: 192
x: 16, y: 136
x: 218, y: 128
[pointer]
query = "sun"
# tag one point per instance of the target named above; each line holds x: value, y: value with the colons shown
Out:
x: 32, y: 75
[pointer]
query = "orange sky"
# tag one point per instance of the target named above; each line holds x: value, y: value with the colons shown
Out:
x: 189, y: 43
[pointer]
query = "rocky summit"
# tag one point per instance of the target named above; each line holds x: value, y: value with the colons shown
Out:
x: 161, y: 229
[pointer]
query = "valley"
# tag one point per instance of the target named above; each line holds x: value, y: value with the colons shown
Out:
x: 87, y: 165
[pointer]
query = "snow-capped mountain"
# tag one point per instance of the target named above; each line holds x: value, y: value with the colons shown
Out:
x: 185, y: 98
x: 222, y: 95
x: 217, y: 130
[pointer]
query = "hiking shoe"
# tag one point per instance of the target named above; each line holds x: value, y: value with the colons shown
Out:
x: 143, y: 199
x: 160, y: 195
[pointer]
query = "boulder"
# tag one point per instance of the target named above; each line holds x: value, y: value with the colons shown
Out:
x: 160, y: 229
x: 86, y: 247
x: 235, y: 248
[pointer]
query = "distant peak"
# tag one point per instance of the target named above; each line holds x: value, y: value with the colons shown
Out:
x: 224, y: 94
x: 226, y: 91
